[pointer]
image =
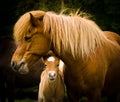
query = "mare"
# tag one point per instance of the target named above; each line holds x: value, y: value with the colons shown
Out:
x: 11, y: 81
x: 51, y: 87
x: 91, y: 55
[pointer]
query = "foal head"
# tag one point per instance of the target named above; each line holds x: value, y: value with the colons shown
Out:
x: 51, y: 67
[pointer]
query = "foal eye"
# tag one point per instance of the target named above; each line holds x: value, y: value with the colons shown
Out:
x: 27, y: 38
x: 40, y: 19
x: 45, y: 65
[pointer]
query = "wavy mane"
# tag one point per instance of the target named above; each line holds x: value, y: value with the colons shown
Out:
x: 77, y: 34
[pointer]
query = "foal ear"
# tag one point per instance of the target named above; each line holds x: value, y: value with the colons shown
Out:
x: 50, y: 53
x: 44, y: 58
x: 44, y: 62
x: 35, y: 20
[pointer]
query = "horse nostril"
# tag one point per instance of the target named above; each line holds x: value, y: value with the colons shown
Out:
x: 52, y: 75
x: 13, y: 64
x: 16, y: 67
x: 21, y: 64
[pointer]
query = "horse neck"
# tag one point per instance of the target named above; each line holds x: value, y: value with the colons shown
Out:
x: 66, y: 56
x: 52, y: 86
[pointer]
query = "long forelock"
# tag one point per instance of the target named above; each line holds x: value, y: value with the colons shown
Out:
x: 73, y: 33
x: 21, y: 27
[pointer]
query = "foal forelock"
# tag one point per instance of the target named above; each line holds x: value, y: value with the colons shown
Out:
x: 79, y: 35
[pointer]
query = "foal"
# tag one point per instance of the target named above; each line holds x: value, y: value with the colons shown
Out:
x: 51, y: 87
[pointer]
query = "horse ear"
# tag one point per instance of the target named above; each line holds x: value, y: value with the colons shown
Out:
x: 35, y: 21
x: 44, y: 58
x: 50, y: 53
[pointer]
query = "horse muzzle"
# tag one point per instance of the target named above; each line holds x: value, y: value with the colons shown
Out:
x: 20, y: 67
x: 52, y: 75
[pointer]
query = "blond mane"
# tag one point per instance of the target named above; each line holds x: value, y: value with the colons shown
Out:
x: 76, y: 34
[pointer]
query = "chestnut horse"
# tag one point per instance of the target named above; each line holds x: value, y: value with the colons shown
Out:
x: 11, y: 81
x: 51, y: 87
x: 91, y: 56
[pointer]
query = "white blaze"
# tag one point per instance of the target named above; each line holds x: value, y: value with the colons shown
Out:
x: 51, y: 59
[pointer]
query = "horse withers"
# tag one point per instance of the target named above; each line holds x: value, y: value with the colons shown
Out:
x: 51, y: 87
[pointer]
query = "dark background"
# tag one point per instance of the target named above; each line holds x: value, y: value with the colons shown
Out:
x: 106, y: 13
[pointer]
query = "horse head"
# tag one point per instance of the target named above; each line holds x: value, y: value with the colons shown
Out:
x: 28, y: 32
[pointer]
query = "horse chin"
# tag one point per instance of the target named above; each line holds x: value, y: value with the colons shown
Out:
x: 23, y: 69
x: 52, y: 79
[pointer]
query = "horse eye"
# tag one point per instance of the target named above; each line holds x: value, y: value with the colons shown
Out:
x: 27, y: 38
x: 57, y: 65
x: 29, y: 30
x: 40, y: 18
x: 45, y: 65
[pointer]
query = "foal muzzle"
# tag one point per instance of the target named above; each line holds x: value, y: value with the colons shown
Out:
x: 52, y: 75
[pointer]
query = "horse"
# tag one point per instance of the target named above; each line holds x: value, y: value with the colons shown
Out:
x: 11, y: 81
x: 51, y: 87
x: 90, y: 54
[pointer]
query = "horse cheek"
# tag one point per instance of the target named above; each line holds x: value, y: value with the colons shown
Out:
x: 44, y: 46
